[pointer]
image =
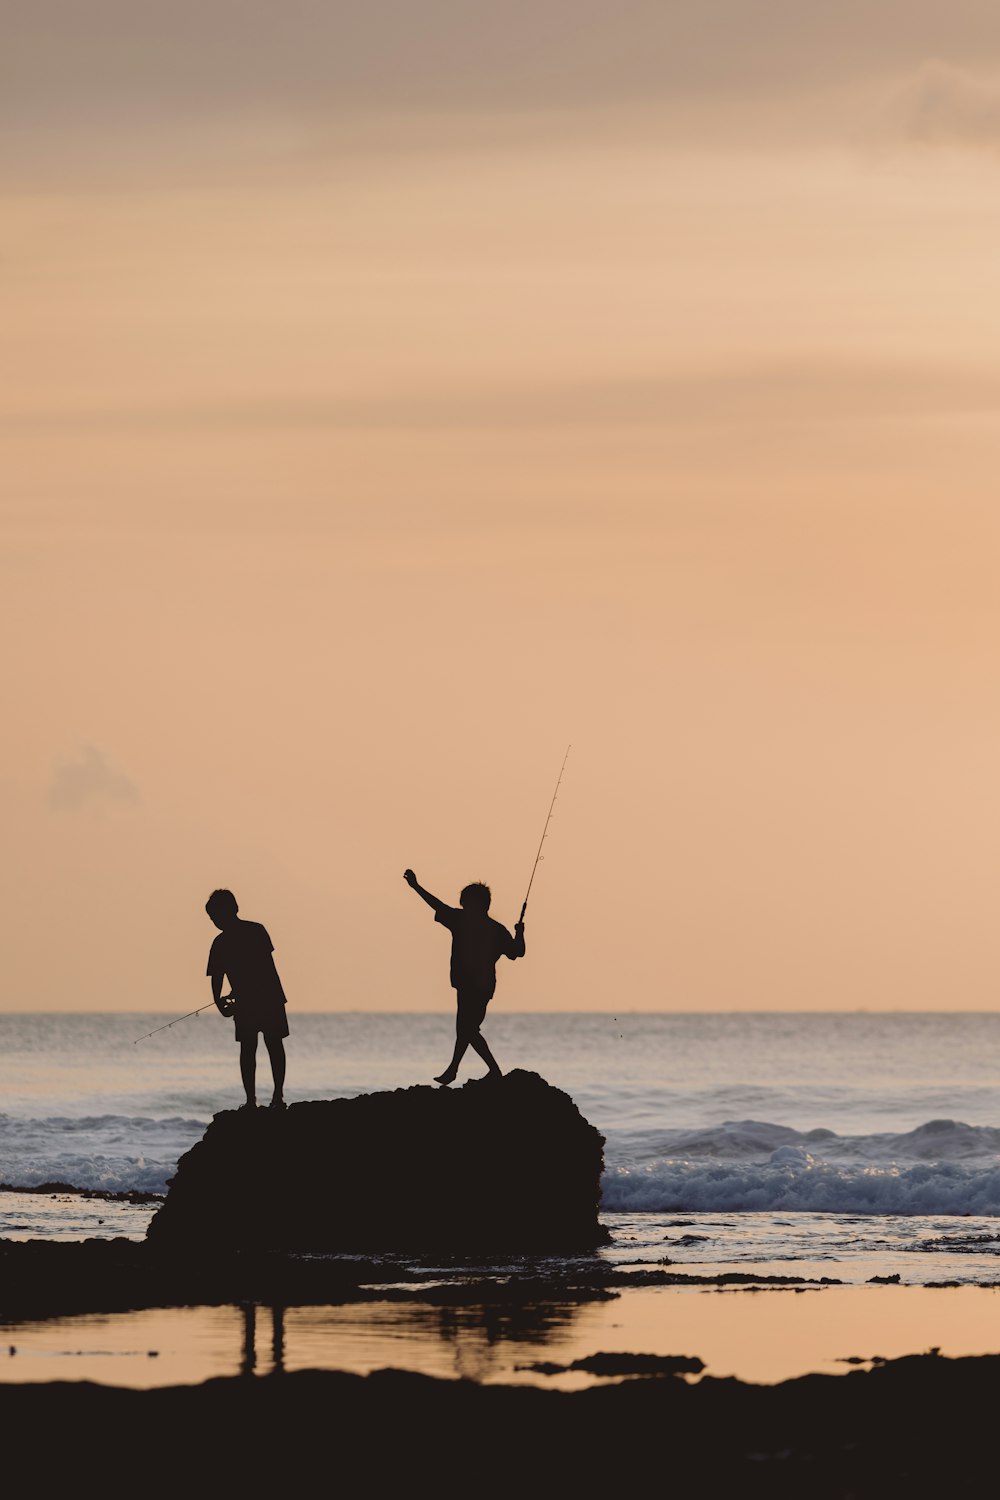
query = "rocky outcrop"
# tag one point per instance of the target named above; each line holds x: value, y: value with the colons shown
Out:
x: 508, y: 1165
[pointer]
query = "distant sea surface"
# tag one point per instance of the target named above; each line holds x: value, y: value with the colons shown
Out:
x: 774, y: 1118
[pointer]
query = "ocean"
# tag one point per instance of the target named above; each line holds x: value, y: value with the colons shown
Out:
x: 850, y: 1140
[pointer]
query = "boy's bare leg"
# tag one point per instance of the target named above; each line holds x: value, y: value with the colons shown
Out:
x: 478, y: 1044
x: 248, y: 1069
x: 471, y: 1011
x: 449, y: 1074
x: 276, y: 1052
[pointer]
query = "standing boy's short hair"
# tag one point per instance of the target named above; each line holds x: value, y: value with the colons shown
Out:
x: 221, y: 904
x: 476, y: 894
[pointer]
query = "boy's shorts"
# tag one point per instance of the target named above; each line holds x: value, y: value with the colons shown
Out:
x: 254, y: 1017
x: 472, y: 1005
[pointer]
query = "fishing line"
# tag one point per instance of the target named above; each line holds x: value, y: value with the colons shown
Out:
x: 178, y: 1018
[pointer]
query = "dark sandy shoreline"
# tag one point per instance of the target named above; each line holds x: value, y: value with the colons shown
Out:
x: 47, y: 1278
x: 920, y: 1424
x: 914, y: 1426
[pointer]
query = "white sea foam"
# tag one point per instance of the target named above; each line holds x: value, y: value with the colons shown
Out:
x: 114, y: 1153
x: 941, y: 1167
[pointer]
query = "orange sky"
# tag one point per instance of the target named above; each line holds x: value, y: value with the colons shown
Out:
x: 388, y: 406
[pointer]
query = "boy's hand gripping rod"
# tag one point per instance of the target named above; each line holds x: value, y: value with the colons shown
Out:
x: 539, y: 856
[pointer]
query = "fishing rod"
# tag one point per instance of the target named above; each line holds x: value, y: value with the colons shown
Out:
x: 539, y: 856
x: 186, y: 1017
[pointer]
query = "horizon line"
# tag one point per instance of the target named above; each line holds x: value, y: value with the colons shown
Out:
x: 449, y: 1012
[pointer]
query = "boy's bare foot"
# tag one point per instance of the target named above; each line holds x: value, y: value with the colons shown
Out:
x: 250, y: 1104
x: 277, y: 1102
x: 445, y: 1078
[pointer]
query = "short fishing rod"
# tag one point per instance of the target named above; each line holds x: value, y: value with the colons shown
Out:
x: 545, y: 830
x: 186, y: 1017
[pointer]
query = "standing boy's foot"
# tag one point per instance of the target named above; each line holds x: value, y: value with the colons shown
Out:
x: 277, y: 1102
x: 445, y: 1078
x: 250, y: 1104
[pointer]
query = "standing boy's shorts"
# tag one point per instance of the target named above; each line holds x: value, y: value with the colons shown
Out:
x: 255, y: 1016
x: 472, y: 1005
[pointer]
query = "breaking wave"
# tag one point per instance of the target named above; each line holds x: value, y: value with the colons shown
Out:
x: 942, y: 1167
x: 113, y: 1153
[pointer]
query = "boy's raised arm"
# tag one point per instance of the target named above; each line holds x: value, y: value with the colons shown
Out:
x: 414, y: 884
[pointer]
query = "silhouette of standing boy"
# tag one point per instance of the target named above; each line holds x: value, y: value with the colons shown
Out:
x: 477, y: 941
x: 242, y: 954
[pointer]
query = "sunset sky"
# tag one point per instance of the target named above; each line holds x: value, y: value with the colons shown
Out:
x: 396, y: 393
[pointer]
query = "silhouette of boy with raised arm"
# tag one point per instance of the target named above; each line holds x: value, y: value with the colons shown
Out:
x: 477, y: 941
x: 242, y: 953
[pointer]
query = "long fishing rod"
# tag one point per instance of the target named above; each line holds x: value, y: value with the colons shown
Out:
x: 174, y: 1022
x: 545, y: 830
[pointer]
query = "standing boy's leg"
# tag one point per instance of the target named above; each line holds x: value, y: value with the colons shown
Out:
x: 478, y: 1044
x: 276, y: 1052
x: 248, y: 1068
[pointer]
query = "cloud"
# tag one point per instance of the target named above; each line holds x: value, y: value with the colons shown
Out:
x: 803, y: 390
x: 130, y: 94
x: 89, y: 779
x: 67, y: 62
x: 942, y: 105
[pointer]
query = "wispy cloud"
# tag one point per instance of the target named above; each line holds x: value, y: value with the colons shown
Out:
x: 90, y: 778
x: 810, y: 390
x: 943, y: 105
x: 113, y: 72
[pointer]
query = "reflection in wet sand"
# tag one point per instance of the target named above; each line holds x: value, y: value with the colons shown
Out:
x: 153, y: 1347
x: 767, y: 1336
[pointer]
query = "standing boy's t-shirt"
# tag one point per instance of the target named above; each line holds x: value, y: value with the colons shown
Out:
x: 477, y: 941
x: 243, y: 953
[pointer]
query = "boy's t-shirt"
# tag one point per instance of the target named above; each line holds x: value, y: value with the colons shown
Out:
x: 243, y: 953
x: 477, y: 941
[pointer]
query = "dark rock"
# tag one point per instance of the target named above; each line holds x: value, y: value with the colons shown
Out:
x: 612, y: 1365
x: 131, y: 1195
x: 42, y: 1187
x: 55, y: 1278
x: 504, y: 1165
x: 741, y: 1280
